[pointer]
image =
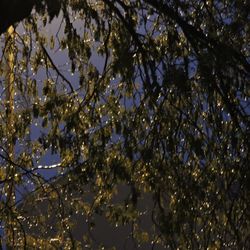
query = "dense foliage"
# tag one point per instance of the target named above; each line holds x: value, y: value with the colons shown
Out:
x: 149, y: 118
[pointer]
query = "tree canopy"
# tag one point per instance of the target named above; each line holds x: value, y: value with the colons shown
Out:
x: 145, y: 105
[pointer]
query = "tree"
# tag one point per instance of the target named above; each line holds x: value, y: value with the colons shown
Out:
x: 158, y: 106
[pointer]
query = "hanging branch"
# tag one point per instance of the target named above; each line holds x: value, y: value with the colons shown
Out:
x: 56, y: 69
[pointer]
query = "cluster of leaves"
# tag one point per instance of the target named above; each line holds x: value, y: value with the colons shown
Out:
x: 158, y: 105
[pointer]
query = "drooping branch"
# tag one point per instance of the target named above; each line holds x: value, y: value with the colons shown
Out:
x: 56, y: 69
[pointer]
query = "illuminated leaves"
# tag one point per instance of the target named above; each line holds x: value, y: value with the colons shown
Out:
x: 148, y: 95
